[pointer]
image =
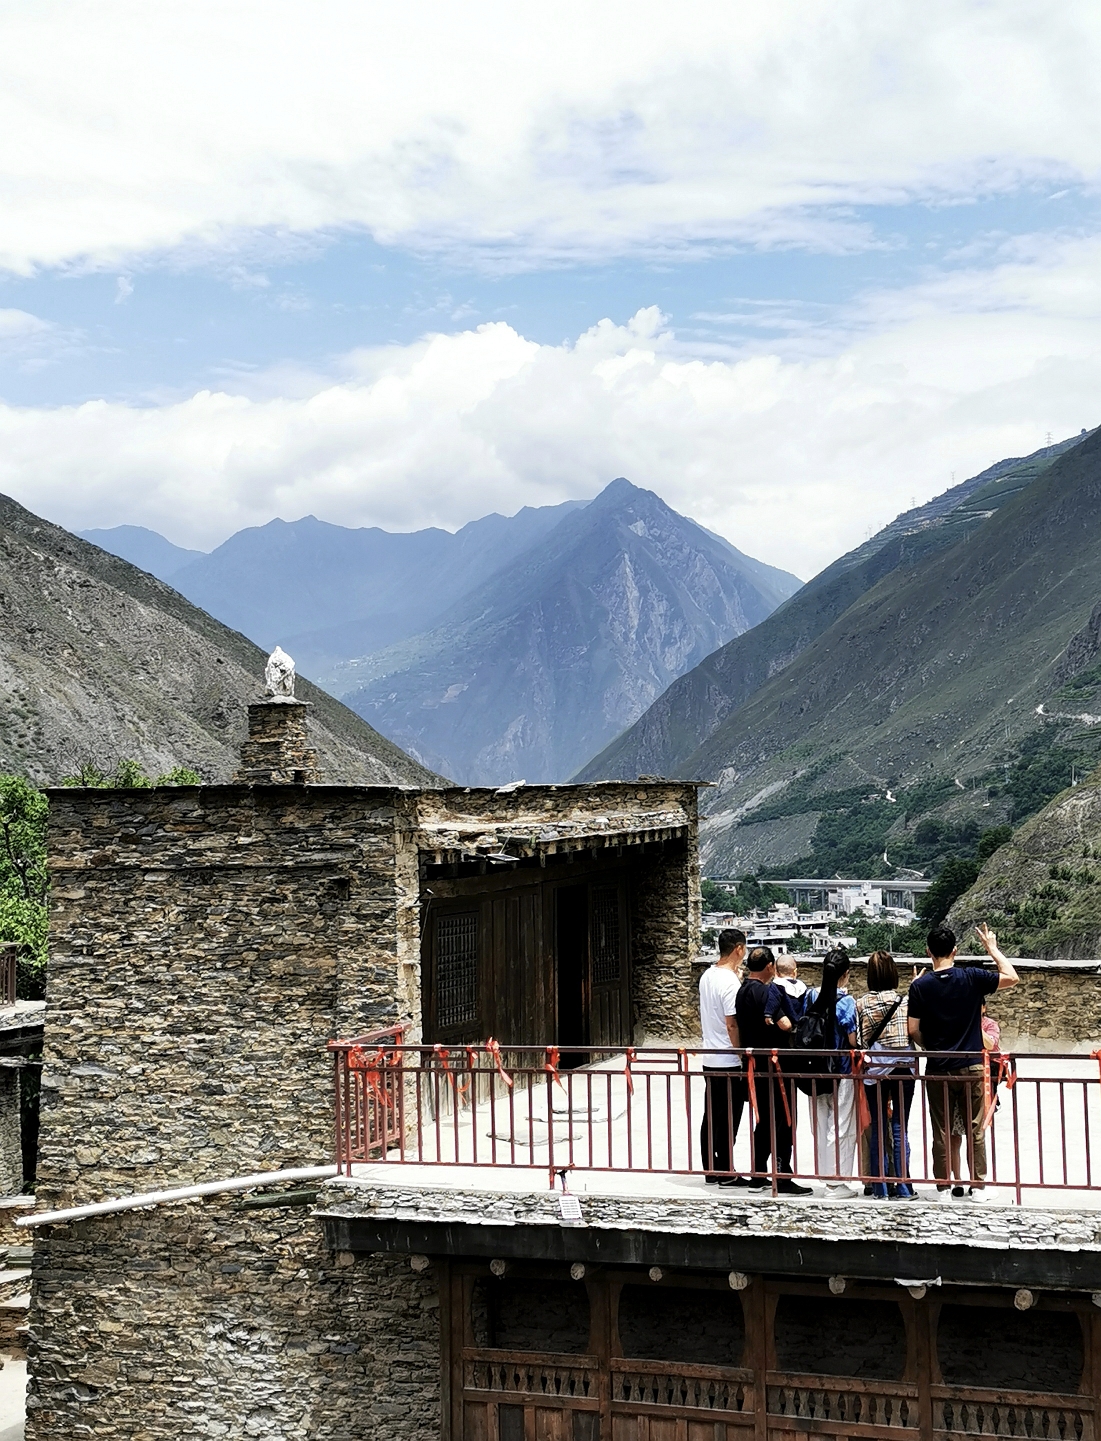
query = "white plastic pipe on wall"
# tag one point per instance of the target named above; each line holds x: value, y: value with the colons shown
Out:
x: 182, y: 1193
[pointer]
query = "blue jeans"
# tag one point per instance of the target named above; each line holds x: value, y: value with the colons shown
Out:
x: 889, y: 1100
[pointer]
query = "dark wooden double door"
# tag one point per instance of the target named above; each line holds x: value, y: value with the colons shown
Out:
x: 546, y: 962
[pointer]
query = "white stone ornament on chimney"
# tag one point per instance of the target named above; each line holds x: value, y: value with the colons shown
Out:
x: 279, y: 675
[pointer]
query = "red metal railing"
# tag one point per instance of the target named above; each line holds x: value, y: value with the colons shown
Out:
x: 646, y: 1110
x: 370, y: 1097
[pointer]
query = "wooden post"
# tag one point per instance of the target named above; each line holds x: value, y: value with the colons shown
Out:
x: 758, y: 1350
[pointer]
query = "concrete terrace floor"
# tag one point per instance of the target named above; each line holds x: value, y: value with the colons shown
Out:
x: 1051, y: 1121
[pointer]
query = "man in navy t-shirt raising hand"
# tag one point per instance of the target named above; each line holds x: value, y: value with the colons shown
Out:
x: 945, y: 1014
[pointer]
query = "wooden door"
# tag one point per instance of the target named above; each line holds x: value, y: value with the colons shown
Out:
x: 517, y: 1006
x: 609, y: 966
x: 485, y: 970
x: 457, y: 994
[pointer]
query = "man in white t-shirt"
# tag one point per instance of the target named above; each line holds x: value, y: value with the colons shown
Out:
x: 725, y: 1091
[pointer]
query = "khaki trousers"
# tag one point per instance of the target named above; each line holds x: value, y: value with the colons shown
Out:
x: 956, y: 1109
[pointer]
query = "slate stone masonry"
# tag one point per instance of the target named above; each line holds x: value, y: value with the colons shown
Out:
x: 211, y: 1320
x: 278, y: 750
x: 206, y: 944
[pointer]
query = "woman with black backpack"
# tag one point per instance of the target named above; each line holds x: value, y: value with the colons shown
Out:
x: 834, y: 1095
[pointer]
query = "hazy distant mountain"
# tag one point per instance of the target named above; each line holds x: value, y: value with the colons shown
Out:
x: 143, y: 548
x: 326, y: 592
x: 555, y: 653
x: 101, y: 661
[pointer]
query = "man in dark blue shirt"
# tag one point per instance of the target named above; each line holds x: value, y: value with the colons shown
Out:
x: 944, y: 1014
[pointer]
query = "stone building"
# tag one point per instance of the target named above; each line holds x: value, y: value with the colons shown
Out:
x: 208, y: 944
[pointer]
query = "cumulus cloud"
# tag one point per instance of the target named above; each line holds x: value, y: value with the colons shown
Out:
x: 538, y: 131
x: 793, y: 457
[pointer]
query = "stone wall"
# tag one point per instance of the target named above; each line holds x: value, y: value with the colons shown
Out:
x: 206, y: 944
x: 540, y: 817
x: 209, y: 1320
x: 665, y: 930
x: 11, y: 1140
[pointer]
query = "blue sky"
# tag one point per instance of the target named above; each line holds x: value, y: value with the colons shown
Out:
x: 167, y: 327
x: 789, y: 265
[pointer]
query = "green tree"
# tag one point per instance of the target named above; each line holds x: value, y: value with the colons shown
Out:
x: 129, y: 775
x: 992, y: 840
x: 757, y: 895
x: 23, y: 880
x: 715, y: 897
x: 956, y: 876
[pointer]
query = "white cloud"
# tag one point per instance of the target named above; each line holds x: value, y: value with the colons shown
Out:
x: 28, y: 342
x: 792, y: 457
x: 579, y: 128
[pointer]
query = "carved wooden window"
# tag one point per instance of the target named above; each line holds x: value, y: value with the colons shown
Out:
x: 456, y: 969
x: 605, y: 935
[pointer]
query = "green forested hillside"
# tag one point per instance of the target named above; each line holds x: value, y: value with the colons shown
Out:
x: 922, y: 700
x: 1042, y: 891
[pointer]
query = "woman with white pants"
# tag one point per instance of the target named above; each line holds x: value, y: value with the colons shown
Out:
x: 835, y: 1102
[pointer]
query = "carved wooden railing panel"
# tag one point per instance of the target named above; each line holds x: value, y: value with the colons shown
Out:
x: 835, y: 1406
x: 698, y: 1388
x: 961, y: 1412
x: 536, y: 1376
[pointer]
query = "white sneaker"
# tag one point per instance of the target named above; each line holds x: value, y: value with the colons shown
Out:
x: 944, y: 1195
x: 839, y: 1190
x: 977, y: 1193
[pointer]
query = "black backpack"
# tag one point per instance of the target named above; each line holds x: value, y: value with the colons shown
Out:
x: 815, y: 1030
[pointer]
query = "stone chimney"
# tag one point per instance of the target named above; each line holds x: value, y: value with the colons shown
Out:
x: 278, y: 750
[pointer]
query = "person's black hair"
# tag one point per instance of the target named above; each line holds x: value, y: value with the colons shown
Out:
x: 941, y: 941
x: 837, y: 962
x: 760, y: 958
x: 730, y: 941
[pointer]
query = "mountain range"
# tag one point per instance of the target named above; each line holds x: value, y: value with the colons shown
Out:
x: 514, y: 648
x: 539, y: 666
x: 899, y: 685
x: 102, y: 662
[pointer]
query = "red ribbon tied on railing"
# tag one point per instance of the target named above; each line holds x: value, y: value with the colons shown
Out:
x: 371, y: 1066
x: 442, y: 1054
x: 1006, y: 1073
x: 774, y: 1066
x: 751, y: 1087
x: 863, y: 1113
x: 550, y: 1065
x: 630, y: 1060
x: 777, y: 1074
x: 493, y: 1049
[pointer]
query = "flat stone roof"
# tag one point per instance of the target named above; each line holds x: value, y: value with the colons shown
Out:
x: 919, y: 1241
